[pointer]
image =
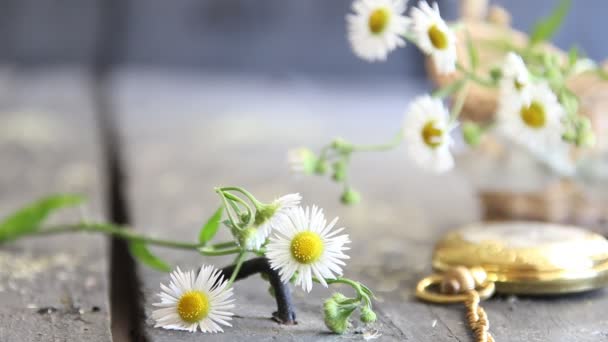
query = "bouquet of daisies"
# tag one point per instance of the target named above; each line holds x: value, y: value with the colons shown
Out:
x: 535, y: 111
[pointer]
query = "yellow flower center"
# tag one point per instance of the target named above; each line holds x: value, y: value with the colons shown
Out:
x: 193, y: 306
x: 378, y: 20
x: 306, y: 247
x: 438, y: 38
x: 432, y: 135
x: 533, y: 115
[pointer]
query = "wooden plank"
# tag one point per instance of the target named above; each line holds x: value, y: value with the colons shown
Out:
x: 185, y: 134
x: 52, y: 288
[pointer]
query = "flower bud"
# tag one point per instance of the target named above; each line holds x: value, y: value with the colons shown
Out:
x: 367, y: 315
x: 496, y: 74
x: 264, y: 213
x: 248, y: 239
x: 586, y: 139
x: 339, y: 171
x: 321, y: 167
x: 350, y: 197
x: 336, y: 315
x: 302, y: 160
x: 339, y: 298
x: 472, y: 133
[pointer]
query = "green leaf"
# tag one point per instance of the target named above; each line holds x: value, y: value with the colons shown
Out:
x: 546, y: 27
x: 449, y: 89
x: 602, y: 73
x: 140, y: 251
x: 29, y: 218
x: 569, y: 101
x: 210, y: 228
x: 473, y: 54
x: 572, y: 56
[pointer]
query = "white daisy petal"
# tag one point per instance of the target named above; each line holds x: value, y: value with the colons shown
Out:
x: 537, y: 126
x: 433, y: 36
x: 279, y: 207
x: 306, y: 245
x: 194, y: 300
x: 376, y: 28
x: 515, y: 81
x: 427, y: 134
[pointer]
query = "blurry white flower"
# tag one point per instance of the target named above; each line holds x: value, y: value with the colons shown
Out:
x: 426, y: 132
x: 273, y: 215
x: 515, y: 81
x: 305, y: 244
x: 376, y: 27
x: 434, y: 37
x: 302, y: 160
x: 583, y: 65
x: 537, y: 125
x: 191, y: 302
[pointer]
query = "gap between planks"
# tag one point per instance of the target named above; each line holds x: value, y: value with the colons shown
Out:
x: 127, y: 315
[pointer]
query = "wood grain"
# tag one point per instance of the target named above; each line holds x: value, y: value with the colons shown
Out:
x: 51, y: 288
x: 185, y: 134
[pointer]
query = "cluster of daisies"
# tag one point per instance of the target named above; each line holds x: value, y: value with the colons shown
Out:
x: 378, y: 27
x: 529, y: 114
x: 536, y: 110
x: 298, y: 243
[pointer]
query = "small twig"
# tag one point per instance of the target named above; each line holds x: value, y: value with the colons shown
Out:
x: 285, y: 313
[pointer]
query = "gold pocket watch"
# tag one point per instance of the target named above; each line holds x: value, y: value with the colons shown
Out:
x: 529, y: 258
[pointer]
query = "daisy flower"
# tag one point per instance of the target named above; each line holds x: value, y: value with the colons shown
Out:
x: 515, y: 80
x: 376, y: 27
x: 536, y: 125
x: 272, y: 215
x: 194, y: 301
x: 426, y: 131
x: 307, y: 246
x: 434, y: 37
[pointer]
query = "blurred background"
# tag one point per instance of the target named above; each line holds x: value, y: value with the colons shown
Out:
x: 211, y: 92
x: 275, y: 37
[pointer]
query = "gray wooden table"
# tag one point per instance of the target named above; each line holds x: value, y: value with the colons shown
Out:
x: 174, y: 136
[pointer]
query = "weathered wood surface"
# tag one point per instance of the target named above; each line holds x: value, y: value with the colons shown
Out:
x: 185, y: 134
x: 52, y: 288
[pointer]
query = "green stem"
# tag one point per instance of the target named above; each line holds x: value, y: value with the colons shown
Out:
x: 238, y: 263
x: 380, y: 147
x: 235, y: 222
x: 258, y: 204
x: 324, y: 151
x: 234, y: 198
x: 222, y: 245
x: 470, y: 75
x: 209, y: 251
x: 117, y: 231
x: 459, y: 103
x: 235, y: 207
x: 448, y: 89
x: 352, y: 301
x: 355, y: 285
